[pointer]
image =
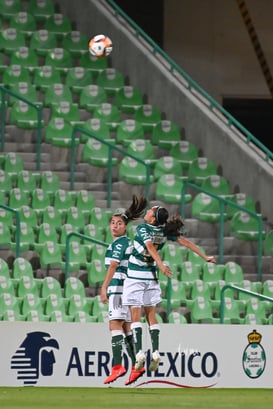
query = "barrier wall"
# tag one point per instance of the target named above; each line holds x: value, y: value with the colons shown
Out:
x: 79, y: 355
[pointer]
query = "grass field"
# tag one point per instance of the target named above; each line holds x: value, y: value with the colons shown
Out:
x: 134, y: 398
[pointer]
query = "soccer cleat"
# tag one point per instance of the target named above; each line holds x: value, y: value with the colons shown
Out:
x: 155, y: 361
x: 117, y: 372
x: 134, y: 375
x: 140, y: 360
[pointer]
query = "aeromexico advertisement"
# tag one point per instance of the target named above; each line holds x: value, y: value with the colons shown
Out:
x: 192, y: 356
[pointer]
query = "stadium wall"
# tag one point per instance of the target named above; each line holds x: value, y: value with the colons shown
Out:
x: 192, y: 356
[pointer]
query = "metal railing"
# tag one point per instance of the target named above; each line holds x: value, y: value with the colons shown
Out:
x: 18, y: 230
x: 239, y: 289
x: 111, y: 148
x: 192, y: 86
x: 4, y: 91
x: 223, y: 203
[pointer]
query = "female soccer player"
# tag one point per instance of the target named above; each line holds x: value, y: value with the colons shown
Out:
x: 116, y: 262
x: 141, y: 286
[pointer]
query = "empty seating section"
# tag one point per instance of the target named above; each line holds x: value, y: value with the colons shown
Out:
x: 44, y: 60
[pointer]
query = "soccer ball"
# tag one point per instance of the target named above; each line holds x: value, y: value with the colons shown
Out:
x: 100, y: 46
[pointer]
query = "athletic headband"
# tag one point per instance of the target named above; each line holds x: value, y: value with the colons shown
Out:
x: 157, y: 212
x: 120, y: 213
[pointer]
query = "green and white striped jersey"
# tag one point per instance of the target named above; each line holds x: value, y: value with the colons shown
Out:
x: 119, y: 250
x: 141, y: 265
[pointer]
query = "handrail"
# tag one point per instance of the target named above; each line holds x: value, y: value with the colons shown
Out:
x: 18, y: 231
x: 4, y: 91
x: 193, y: 87
x: 111, y: 147
x: 224, y: 202
x: 67, y: 250
x: 239, y: 289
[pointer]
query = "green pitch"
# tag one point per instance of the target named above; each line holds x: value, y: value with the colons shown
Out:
x: 133, y: 398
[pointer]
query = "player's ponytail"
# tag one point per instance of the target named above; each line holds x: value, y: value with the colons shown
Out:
x: 174, y: 226
x: 135, y: 211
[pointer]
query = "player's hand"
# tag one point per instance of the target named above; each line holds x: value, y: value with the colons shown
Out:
x: 210, y: 259
x: 103, y: 296
x: 167, y: 271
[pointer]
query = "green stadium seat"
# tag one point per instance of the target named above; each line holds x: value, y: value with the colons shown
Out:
x: 4, y: 269
x: 24, y: 22
x: 184, y: 151
x: 51, y: 256
x: 25, y: 90
x: 128, y: 99
x: 174, y: 253
x: 59, y: 132
x: 65, y: 230
x: 217, y: 292
x: 78, y: 78
x: 98, y: 306
x: 133, y: 172
x: 73, y: 286
x: 96, y: 272
x: 59, y: 58
x: 59, y: 24
x: 177, y: 295
x: 216, y: 184
x: 40, y: 199
x: 60, y: 316
x: 50, y: 285
x: 3, y: 65
x: 14, y: 74
x: 9, y: 8
x: 232, y: 311
x: 43, y: 41
x: 200, y: 168
x: 54, y: 302
x: 5, y: 237
x: 166, y: 134
x: 143, y: 148
x: 29, y: 216
x: 75, y: 42
x: 75, y: 217
x: 176, y: 317
x: 190, y: 272
x: 78, y: 303
x: 149, y: 116
x: 21, y: 267
x: 27, y: 237
x: 27, y: 285
x: 112, y: 80
x: 6, y: 217
x: 46, y: 232
x: 254, y: 286
x: 62, y: 201
x: 199, y: 288
x: 36, y: 316
x: 57, y: 93
x: 92, y: 96
x: 24, y: 116
x: 52, y: 216
x: 50, y: 182
x: 206, y: 208
x: 129, y: 130
x: 268, y: 244
x: 46, y: 76
x: 241, y: 199
x: 6, y: 286
x: 108, y: 113
x: 41, y: 9
x: 244, y: 226
x: 85, y: 201
x: 100, y: 217
x: 97, y: 154
x: 10, y: 40
x: 233, y: 273
x: 96, y: 65
x: 212, y: 273
x: 13, y: 163
x: 6, y: 182
x: 26, y: 57
x: 17, y: 198
x: 82, y: 316
x: 96, y: 127
x: 169, y: 189
x: 167, y: 165
x: 202, y: 312
x: 195, y: 258
x: 11, y: 315
x: 9, y: 302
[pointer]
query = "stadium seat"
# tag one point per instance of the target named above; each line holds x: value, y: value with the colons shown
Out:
x: 200, y: 168
x: 26, y: 57
x: 176, y: 317
x: 53, y: 303
x: 59, y: 24
x: 50, y: 285
x: 7, y: 217
x: 108, y: 113
x: 244, y: 226
x: 75, y: 42
x: 97, y: 154
x: 59, y: 58
x: 82, y: 316
x: 24, y: 116
x: 62, y: 201
x: 177, y: 294
x: 184, y: 151
x: 75, y: 217
x: 232, y: 311
x: 216, y: 184
x: 21, y: 267
x: 143, y: 148
x: 9, y: 9
x: 195, y: 258
x: 85, y: 201
x: 9, y: 302
x: 10, y: 40
x: 190, y: 272
x: 6, y: 182
x: 72, y: 286
x: 42, y: 41
x: 17, y: 198
x: 46, y: 76
x: 29, y: 216
x: 11, y: 315
x: 169, y: 189
x: 174, y: 253
x: 217, y: 293
x: 25, y: 90
x: 268, y: 244
x: 24, y: 22
x: 128, y: 99
x: 77, y: 303
x: 96, y: 272
x: 133, y: 172
x: 112, y: 80
x: 166, y: 134
x: 148, y: 115
x: 167, y: 165
x: 13, y: 164
x: 51, y: 256
x: 27, y: 237
x: 36, y: 316
x: 78, y: 78
x: 96, y: 127
x: 98, y: 306
x: 59, y: 132
x: 96, y: 65
x: 40, y: 199
x: 27, y: 285
x: 52, y: 216
x: 68, y: 111
x: 202, y: 312
x: 4, y: 269
x: 212, y: 273
x: 14, y: 74
x: 41, y: 9
x: 199, y: 288
x: 99, y: 216
x: 94, y: 231
x: 233, y: 273
x: 241, y: 199
x: 49, y: 182
x: 46, y: 232
x: 206, y: 208
x: 5, y: 237
x: 254, y: 286
x: 57, y: 93
x: 92, y: 96
x: 6, y: 286
x: 60, y: 316
x: 129, y: 130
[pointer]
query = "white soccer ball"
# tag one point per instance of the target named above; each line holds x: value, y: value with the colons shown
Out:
x: 100, y: 46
